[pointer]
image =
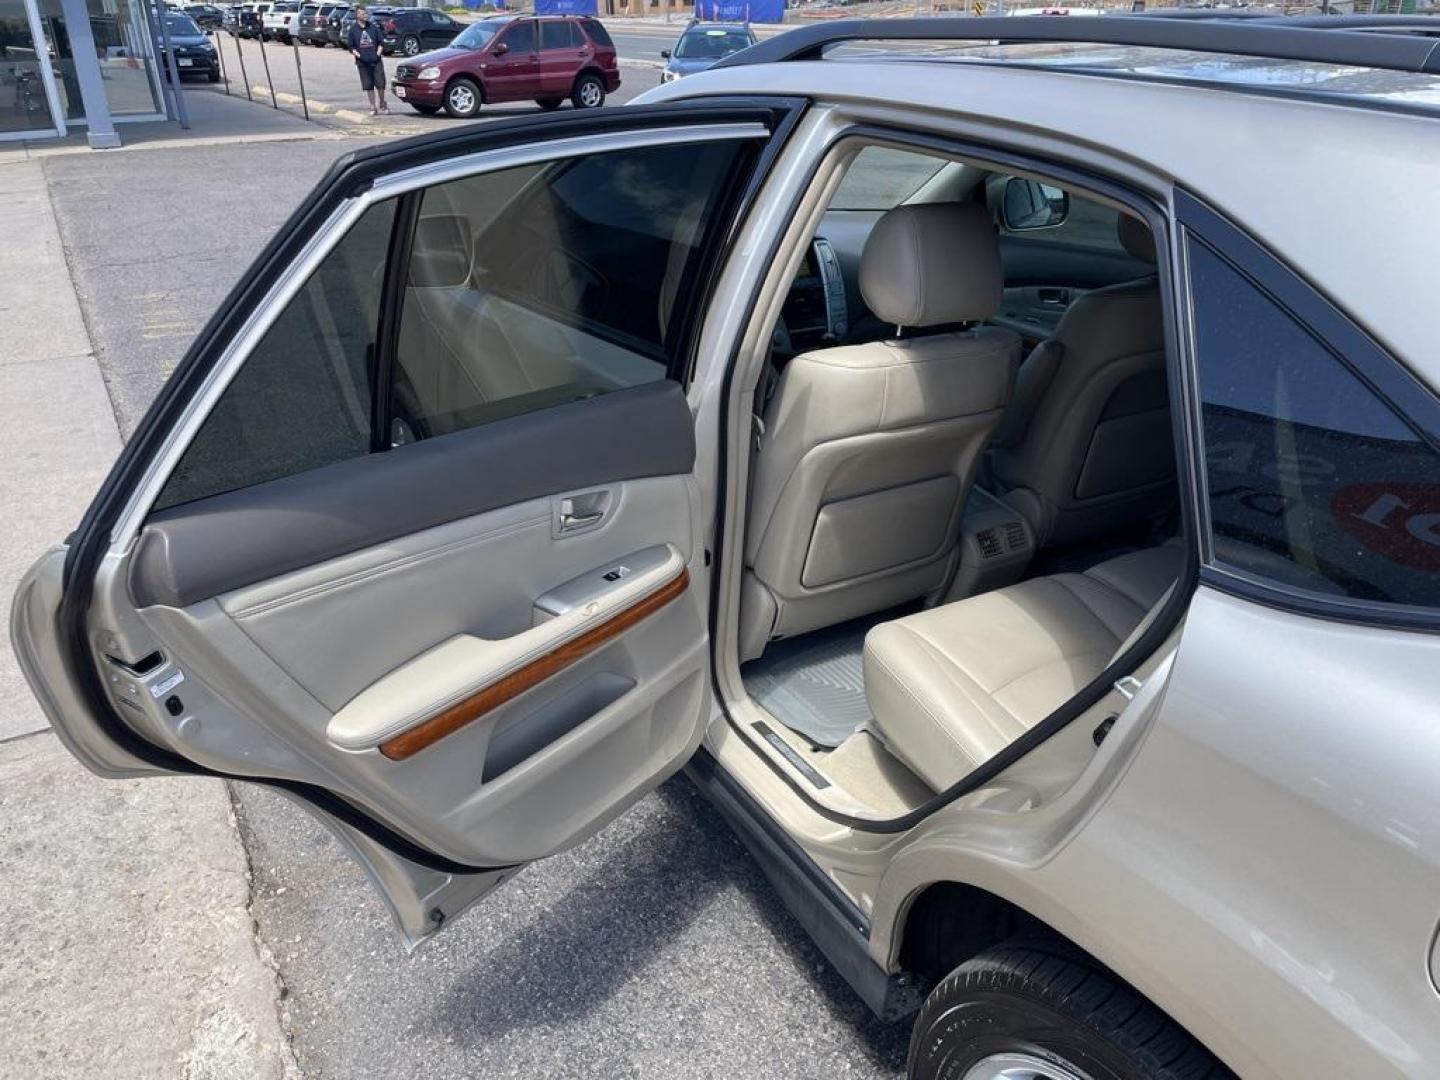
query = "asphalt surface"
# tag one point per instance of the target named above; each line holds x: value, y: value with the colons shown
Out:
x: 654, y: 949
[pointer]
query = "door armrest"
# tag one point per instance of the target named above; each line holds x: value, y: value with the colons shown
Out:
x: 456, y: 682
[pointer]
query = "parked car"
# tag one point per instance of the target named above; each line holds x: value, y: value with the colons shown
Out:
x: 278, y: 23
x: 231, y: 20
x: 251, y: 19
x: 195, y: 53
x: 377, y: 15
x: 311, y: 26
x: 336, y: 25
x: 701, y: 45
x: 207, y: 16
x: 546, y: 59
x: 411, y: 31
x: 1021, y: 522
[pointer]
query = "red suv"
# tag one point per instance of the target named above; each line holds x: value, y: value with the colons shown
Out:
x: 513, y: 58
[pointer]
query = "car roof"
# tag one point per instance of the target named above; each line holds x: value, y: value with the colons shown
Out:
x: 1306, y: 178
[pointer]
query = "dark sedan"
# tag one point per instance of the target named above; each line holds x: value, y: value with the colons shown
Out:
x: 207, y: 16
x: 411, y: 31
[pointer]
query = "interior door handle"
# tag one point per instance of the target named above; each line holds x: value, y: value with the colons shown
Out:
x: 570, y: 521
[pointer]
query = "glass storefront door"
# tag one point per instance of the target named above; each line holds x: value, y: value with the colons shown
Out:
x: 29, y: 104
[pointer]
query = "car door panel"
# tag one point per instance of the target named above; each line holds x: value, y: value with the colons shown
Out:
x: 465, y: 650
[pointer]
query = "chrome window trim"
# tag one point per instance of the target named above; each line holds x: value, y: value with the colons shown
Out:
x: 318, y: 247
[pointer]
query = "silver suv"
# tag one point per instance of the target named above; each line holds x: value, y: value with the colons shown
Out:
x: 1005, y: 474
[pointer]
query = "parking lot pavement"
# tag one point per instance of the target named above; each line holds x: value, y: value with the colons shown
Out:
x: 333, y: 89
x: 654, y: 949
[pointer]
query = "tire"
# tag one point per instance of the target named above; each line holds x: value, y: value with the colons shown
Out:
x: 426, y: 110
x: 1043, y: 1008
x: 550, y: 104
x: 589, y: 92
x: 410, y: 45
x: 462, y: 98
x: 214, y: 76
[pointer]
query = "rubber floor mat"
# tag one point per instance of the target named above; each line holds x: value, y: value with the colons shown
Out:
x: 814, y: 684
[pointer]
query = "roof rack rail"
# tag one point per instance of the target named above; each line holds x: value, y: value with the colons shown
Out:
x: 1358, y: 47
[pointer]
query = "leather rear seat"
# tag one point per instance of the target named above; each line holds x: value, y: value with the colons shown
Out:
x: 951, y: 687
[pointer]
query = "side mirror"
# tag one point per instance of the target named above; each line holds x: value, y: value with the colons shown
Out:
x: 1029, y: 204
x: 501, y: 49
x: 665, y: 53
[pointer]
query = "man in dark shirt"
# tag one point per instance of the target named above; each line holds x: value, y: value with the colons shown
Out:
x: 365, y: 40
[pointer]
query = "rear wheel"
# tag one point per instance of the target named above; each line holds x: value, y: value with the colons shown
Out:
x: 550, y: 103
x: 589, y: 92
x: 462, y: 98
x: 1042, y: 1010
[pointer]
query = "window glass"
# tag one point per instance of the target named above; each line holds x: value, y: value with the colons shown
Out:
x: 1314, y: 481
x: 598, y: 33
x: 302, y: 399
x: 540, y: 285
x: 1085, y: 224
x: 521, y: 37
x: 555, y: 35
x: 881, y: 178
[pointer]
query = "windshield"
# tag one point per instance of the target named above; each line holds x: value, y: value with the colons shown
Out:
x: 477, y: 35
x: 182, y: 26
x: 710, y: 44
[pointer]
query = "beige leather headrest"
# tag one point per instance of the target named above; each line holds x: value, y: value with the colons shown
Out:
x: 932, y: 264
x: 1135, y: 237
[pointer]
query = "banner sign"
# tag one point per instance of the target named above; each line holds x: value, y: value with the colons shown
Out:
x: 740, y: 11
x: 565, y: 7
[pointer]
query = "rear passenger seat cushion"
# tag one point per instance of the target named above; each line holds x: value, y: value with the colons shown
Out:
x: 951, y: 687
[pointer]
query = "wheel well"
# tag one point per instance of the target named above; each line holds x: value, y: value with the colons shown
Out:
x: 587, y: 71
x: 947, y: 923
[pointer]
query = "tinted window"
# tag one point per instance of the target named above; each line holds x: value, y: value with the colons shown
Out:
x: 556, y: 35
x: 540, y: 285
x: 880, y: 178
x: 710, y: 44
x: 521, y: 37
x: 598, y: 33
x: 303, y: 397
x: 1314, y: 481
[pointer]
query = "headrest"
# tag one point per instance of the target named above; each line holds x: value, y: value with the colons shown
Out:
x: 932, y: 263
x: 440, y: 256
x: 1135, y: 237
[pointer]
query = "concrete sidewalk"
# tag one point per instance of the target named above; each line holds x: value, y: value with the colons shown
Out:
x: 130, y: 947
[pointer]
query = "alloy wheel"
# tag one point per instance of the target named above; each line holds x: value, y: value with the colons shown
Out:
x: 590, y: 94
x: 1014, y: 1065
x: 461, y: 98
x: 412, y: 46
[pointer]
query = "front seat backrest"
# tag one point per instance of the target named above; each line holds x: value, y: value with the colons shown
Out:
x: 869, y: 450
x: 1086, y: 448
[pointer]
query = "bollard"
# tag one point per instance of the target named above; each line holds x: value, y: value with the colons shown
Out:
x: 243, y: 76
x: 300, y: 75
x: 220, y: 55
x: 268, y: 80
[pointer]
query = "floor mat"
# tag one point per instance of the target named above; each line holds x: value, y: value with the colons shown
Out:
x: 814, y: 684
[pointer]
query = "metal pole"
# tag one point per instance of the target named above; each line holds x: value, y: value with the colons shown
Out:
x: 181, y: 113
x: 224, y: 72
x: 300, y: 75
x: 266, y: 61
x: 243, y: 76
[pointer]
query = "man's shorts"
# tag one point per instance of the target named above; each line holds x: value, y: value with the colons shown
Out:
x: 372, y: 76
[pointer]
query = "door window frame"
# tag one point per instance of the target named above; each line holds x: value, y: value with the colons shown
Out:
x: 1350, y: 346
x: 323, y: 241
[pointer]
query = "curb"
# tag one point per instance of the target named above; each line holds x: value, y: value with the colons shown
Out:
x: 286, y: 98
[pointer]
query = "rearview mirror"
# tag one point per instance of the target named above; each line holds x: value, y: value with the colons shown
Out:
x: 1029, y: 204
x: 501, y: 49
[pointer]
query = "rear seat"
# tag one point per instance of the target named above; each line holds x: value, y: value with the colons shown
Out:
x: 951, y: 687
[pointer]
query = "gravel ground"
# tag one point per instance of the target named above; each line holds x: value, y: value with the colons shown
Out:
x: 655, y: 949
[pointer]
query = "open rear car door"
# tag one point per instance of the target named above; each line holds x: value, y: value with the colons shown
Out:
x: 412, y: 532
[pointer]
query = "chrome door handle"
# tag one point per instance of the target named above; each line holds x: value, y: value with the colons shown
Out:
x: 570, y: 521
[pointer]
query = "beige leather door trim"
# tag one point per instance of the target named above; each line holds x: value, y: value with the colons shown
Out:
x: 452, y: 719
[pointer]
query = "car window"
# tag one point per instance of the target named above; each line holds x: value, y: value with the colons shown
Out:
x: 521, y: 37
x: 598, y: 33
x: 1086, y: 224
x: 554, y: 35
x: 1314, y: 481
x: 302, y: 399
x: 541, y: 285
x: 881, y: 178
x: 710, y: 44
